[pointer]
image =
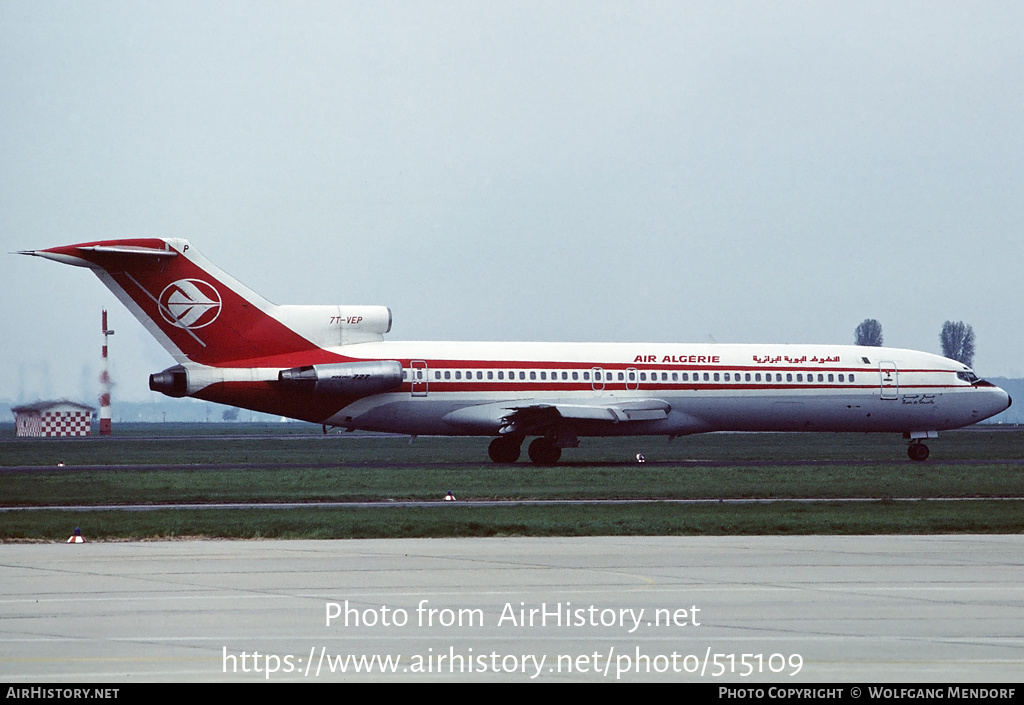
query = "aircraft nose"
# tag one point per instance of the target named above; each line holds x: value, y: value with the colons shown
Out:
x: 1001, y: 401
x: 992, y: 400
x: 1005, y: 398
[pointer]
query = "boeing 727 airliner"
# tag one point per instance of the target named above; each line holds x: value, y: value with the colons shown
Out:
x: 331, y: 365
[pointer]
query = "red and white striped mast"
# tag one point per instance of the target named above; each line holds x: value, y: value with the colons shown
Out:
x: 105, y: 385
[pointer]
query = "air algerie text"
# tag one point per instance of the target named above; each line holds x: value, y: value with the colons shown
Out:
x: 692, y: 359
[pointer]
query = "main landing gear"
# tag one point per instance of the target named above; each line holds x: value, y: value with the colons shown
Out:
x: 917, y: 451
x: 505, y: 449
x: 544, y: 452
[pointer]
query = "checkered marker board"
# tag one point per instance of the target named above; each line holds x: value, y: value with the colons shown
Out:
x: 67, y: 423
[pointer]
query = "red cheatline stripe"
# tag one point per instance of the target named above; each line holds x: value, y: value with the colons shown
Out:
x: 535, y: 386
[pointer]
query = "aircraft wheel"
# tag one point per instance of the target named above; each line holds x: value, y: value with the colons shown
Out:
x: 504, y: 450
x: 544, y: 452
x: 918, y: 451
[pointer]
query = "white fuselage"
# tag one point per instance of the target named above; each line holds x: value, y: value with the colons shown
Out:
x: 466, y: 388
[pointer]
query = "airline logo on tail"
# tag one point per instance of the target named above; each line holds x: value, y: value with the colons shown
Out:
x: 190, y: 303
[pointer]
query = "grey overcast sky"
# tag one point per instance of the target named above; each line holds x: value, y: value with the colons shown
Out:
x: 613, y: 171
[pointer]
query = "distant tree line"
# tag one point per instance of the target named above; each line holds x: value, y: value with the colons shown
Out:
x: 958, y: 342
x: 957, y: 339
x: 869, y: 332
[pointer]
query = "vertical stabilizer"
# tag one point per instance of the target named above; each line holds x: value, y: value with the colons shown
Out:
x: 197, y: 312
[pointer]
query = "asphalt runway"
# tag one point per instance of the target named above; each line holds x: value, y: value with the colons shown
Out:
x: 335, y: 464
x: 945, y: 609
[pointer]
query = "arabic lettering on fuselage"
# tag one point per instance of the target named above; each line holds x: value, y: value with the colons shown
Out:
x: 776, y: 359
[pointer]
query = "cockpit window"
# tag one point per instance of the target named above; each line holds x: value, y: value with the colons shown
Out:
x: 967, y: 376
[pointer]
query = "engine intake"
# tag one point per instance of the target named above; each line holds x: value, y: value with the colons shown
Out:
x: 360, y: 379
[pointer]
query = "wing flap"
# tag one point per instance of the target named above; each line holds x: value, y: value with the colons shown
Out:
x: 643, y: 410
x: 503, y: 418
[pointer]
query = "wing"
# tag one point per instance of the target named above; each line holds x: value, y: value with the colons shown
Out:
x: 529, y: 419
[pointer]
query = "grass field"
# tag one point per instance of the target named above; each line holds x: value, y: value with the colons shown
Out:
x: 207, y: 463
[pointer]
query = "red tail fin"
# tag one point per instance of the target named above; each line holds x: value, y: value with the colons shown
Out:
x: 196, y: 311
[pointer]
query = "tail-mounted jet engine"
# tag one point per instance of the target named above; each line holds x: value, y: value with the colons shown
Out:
x: 173, y: 381
x: 350, y: 379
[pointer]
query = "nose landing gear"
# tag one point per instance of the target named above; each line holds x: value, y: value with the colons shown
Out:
x: 917, y: 451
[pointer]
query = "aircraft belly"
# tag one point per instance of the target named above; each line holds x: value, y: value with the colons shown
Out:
x: 399, y: 414
x: 853, y: 412
x: 482, y: 414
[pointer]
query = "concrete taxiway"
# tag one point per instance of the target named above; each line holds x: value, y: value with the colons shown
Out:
x: 707, y: 609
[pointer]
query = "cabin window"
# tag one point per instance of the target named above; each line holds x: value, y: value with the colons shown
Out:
x: 716, y: 376
x: 522, y: 375
x: 831, y: 378
x: 789, y: 377
x: 757, y: 377
x: 707, y: 376
x: 458, y: 374
x: 621, y: 377
x: 851, y: 378
x: 643, y: 376
x: 490, y: 374
x: 543, y: 376
x: 841, y: 378
x: 821, y: 378
x: 586, y: 376
x: 675, y: 376
x: 575, y: 376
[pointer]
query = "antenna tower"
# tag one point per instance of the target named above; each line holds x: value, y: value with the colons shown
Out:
x: 105, y: 385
